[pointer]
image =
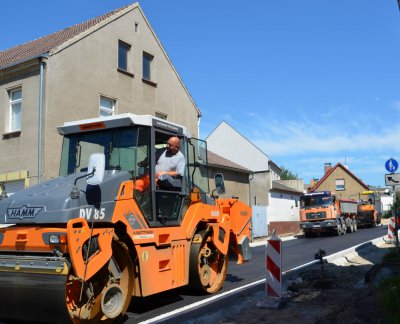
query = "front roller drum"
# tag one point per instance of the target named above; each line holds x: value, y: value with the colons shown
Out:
x: 106, y: 296
x: 38, y: 297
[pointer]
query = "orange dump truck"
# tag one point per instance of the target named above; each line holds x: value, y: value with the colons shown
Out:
x: 78, y: 247
x: 322, y: 212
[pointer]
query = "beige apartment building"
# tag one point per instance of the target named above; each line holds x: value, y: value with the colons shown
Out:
x: 108, y: 65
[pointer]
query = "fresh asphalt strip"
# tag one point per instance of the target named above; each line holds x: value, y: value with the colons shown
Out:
x: 216, y: 302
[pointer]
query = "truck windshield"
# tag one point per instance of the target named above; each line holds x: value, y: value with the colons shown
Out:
x: 309, y: 201
x: 122, y: 149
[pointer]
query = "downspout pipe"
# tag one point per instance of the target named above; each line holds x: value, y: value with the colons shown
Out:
x: 251, y: 177
x: 40, y: 127
x: 198, y: 125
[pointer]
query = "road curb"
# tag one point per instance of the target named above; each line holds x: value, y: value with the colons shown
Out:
x: 216, y: 303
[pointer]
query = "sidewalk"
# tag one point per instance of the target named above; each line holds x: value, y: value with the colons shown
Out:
x: 259, y: 241
x: 309, y: 303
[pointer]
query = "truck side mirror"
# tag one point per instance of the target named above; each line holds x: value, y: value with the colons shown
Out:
x: 219, y: 183
x: 96, y: 169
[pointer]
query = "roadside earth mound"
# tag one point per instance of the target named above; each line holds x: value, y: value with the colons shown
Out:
x: 330, y: 293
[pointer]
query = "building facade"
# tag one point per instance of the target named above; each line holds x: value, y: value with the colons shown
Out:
x: 340, y: 181
x: 236, y: 177
x: 108, y: 65
x: 274, y: 204
x: 284, y: 209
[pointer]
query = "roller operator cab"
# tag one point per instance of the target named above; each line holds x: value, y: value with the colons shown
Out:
x: 78, y: 247
x: 369, y: 209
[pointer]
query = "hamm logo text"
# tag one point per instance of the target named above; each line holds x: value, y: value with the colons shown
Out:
x: 23, y: 212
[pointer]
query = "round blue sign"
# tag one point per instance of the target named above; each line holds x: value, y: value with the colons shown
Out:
x: 391, y: 165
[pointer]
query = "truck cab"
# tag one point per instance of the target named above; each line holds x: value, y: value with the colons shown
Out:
x: 322, y: 212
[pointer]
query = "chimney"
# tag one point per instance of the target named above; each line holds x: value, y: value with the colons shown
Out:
x: 313, y: 182
x: 327, y: 167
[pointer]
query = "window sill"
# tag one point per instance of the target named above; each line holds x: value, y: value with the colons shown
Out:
x: 126, y: 73
x: 11, y: 134
x: 149, y: 82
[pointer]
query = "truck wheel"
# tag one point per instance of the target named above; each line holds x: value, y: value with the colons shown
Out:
x: 355, y: 225
x: 351, y: 226
x: 344, y: 227
x: 107, y: 295
x: 208, y: 266
x: 308, y: 234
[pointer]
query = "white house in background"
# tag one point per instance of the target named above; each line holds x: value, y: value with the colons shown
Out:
x: 284, y: 208
x: 273, y: 202
x: 230, y: 144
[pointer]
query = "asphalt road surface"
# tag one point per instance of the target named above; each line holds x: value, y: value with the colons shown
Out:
x: 294, y: 253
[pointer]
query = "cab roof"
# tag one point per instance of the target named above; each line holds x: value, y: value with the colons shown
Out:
x: 122, y: 120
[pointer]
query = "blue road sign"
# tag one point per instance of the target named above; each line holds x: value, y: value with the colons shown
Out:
x: 391, y: 165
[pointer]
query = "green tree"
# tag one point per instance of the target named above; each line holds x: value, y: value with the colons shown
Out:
x: 287, y: 174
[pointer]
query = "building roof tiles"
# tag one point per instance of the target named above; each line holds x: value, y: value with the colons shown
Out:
x: 329, y: 172
x: 45, y: 44
x: 217, y: 160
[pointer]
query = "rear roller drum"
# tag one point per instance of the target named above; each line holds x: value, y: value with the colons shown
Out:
x: 208, y: 266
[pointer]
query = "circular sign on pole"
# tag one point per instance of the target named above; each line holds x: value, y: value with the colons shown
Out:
x: 391, y: 165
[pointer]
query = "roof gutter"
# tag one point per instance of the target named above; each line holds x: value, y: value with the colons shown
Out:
x: 40, y: 56
x: 225, y: 167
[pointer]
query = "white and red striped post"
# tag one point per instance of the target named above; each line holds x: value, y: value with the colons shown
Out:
x: 391, y: 229
x: 274, y: 267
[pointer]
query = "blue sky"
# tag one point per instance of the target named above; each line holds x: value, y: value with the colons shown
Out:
x: 308, y: 81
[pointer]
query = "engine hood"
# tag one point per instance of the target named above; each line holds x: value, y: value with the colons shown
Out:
x: 51, y: 202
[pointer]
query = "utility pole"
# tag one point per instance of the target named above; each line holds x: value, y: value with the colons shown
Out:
x: 394, y: 213
x: 393, y: 179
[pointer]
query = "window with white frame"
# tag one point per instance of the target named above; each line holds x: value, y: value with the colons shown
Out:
x: 107, y: 106
x: 340, y: 184
x: 123, y: 56
x: 148, y: 66
x: 15, y: 110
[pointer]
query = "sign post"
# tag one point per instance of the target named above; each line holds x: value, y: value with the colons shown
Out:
x: 273, y: 260
x: 393, y: 179
x: 273, y: 283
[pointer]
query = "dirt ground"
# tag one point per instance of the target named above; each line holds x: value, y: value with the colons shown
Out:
x: 338, y: 293
x: 314, y: 304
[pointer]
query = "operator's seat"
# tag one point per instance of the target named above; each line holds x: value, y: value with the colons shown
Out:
x: 167, y: 182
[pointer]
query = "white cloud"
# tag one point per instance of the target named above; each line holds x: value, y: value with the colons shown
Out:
x: 289, y: 137
x: 303, y: 141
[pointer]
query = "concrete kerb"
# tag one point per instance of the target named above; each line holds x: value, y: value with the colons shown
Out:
x: 263, y: 240
x: 216, y: 303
